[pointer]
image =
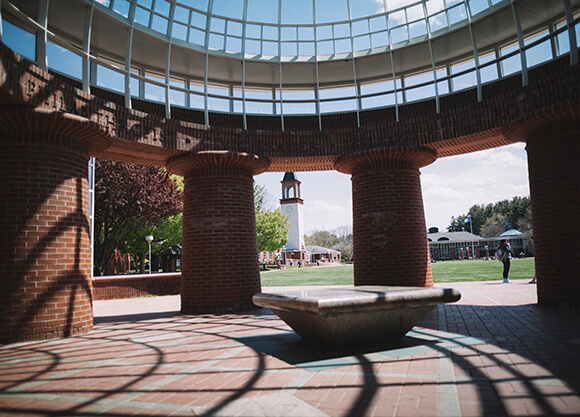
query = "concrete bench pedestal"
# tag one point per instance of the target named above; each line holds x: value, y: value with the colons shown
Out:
x: 348, y: 316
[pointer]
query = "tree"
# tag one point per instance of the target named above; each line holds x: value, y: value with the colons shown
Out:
x: 494, y: 226
x: 263, y: 200
x: 343, y: 233
x: 339, y: 239
x: 129, y: 200
x: 272, y: 230
x: 516, y: 214
x: 166, y: 233
x: 346, y: 247
x: 322, y: 238
x: 271, y: 225
x: 524, y: 222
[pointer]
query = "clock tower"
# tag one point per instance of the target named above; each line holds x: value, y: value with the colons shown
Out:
x: 291, y: 205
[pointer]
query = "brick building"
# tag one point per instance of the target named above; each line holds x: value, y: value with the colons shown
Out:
x: 220, y: 94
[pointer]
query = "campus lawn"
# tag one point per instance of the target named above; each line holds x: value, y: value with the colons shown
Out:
x: 448, y: 271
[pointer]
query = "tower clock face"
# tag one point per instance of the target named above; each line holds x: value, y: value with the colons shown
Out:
x: 288, y: 209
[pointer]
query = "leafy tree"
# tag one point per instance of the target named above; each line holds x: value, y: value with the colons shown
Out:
x: 494, y: 226
x: 322, y: 238
x: 339, y: 238
x: 129, y: 200
x: 271, y: 224
x: 524, y: 222
x: 272, y: 229
x: 516, y: 214
x: 166, y: 233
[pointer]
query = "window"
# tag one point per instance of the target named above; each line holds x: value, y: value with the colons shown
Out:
x: 19, y: 40
x: 64, y: 61
x: 110, y: 79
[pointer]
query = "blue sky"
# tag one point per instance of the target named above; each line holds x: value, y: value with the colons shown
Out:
x: 450, y: 187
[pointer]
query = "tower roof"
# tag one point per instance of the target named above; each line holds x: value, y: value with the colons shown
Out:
x: 290, y: 176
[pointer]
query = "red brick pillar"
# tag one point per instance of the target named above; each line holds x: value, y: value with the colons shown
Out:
x: 554, y: 172
x: 220, y: 270
x: 389, y: 231
x: 45, y: 258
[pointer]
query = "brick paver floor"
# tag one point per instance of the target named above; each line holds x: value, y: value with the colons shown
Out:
x: 493, y: 353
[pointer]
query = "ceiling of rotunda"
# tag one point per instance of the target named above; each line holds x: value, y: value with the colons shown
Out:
x: 303, y: 42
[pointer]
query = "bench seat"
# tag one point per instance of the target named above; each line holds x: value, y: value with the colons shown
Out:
x: 349, y: 316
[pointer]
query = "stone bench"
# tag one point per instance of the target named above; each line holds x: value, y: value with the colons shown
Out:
x: 348, y: 316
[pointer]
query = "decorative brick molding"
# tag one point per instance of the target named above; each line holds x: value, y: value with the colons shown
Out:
x: 144, y: 135
x: 220, y: 271
x: 45, y: 261
x: 383, y: 158
x: 32, y: 126
x: 130, y: 286
x: 216, y: 162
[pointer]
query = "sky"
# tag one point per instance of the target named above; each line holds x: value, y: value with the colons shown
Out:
x: 450, y: 186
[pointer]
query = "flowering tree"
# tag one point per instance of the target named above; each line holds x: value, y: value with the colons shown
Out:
x: 128, y: 198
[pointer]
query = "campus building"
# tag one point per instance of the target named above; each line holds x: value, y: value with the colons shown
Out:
x: 464, y: 245
x: 220, y: 91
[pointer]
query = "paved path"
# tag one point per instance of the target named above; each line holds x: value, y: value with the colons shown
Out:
x: 494, y: 353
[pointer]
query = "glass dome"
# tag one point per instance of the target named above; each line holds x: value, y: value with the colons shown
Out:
x: 297, y: 29
x: 291, y: 57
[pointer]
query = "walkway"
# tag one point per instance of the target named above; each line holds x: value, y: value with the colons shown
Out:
x: 494, y: 353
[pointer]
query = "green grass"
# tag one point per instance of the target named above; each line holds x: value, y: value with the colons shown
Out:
x: 448, y: 271
x: 478, y: 270
x: 327, y: 275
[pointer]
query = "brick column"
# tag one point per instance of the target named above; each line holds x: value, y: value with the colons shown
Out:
x: 45, y: 253
x: 45, y: 270
x: 554, y: 171
x: 389, y: 231
x: 220, y: 270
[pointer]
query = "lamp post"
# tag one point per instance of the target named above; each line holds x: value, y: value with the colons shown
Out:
x: 149, y: 239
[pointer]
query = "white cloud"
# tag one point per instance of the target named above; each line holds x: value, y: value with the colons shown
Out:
x: 450, y: 187
x: 322, y: 215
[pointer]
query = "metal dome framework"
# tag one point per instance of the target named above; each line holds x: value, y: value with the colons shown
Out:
x: 291, y: 57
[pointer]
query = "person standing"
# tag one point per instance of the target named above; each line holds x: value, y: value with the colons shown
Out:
x: 506, y: 254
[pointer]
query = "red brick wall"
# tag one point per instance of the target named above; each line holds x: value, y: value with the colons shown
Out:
x: 554, y: 170
x: 389, y: 232
x: 220, y: 269
x: 45, y: 285
x: 130, y: 286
